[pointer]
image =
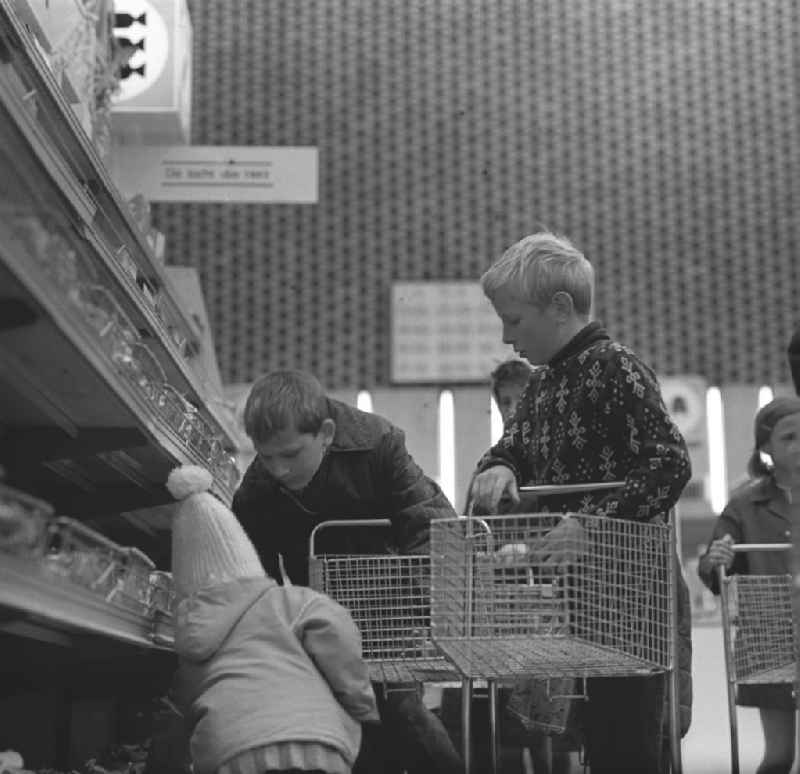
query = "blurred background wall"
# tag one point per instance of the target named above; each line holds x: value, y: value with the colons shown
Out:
x: 661, y: 135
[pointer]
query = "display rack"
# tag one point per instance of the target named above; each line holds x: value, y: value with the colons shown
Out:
x: 60, y: 208
x: 99, y: 400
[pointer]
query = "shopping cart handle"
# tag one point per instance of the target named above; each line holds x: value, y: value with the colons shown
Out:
x: 343, y: 523
x: 740, y: 548
x: 543, y: 490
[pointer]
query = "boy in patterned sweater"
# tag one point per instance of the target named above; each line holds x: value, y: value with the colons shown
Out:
x: 596, y: 415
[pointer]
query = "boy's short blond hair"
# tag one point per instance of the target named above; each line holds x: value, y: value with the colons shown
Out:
x: 539, y: 266
x: 284, y: 399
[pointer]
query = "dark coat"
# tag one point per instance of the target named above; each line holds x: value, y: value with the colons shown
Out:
x: 794, y: 359
x: 366, y: 473
x: 758, y: 512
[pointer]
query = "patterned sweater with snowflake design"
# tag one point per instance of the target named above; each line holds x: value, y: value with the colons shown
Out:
x: 595, y: 413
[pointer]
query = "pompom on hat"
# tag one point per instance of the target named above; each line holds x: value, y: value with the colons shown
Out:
x: 209, y: 546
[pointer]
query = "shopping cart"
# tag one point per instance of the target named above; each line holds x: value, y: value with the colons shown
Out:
x: 388, y: 596
x: 501, y: 611
x: 757, y: 632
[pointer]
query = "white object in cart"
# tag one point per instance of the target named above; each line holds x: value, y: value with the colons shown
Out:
x: 757, y: 632
x: 501, y: 610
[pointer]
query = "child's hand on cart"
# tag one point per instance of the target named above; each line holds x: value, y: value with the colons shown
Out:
x: 495, y: 485
x: 563, y: 545
x: 721, y: 552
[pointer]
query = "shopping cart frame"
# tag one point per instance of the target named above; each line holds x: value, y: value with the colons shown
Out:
x: 422, y: 676
x: 672, y: 671
x: 728, y: 645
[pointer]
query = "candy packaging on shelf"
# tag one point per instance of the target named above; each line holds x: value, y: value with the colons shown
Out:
x: 84, y: 556
x: 23, y: 523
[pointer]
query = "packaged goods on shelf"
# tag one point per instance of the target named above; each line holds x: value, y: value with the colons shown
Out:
x: 47, y: 246
x: 84, y: 556
x: 162, y: 592
x: 114, y: 329
x: 127, y: 263
x: 226, y: 469
x: 173, y: 408
x: 146, y: 372
x: 134, y: 590
x: 23, y: 523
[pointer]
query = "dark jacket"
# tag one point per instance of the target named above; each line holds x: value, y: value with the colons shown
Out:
x: 366, y: 473
x: 794, y: 359
x: 758, y: 512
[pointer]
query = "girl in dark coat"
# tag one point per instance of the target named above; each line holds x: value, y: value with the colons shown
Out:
x: 764, y: 511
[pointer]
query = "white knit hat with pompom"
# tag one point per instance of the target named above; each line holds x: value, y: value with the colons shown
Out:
x: 209, y: 546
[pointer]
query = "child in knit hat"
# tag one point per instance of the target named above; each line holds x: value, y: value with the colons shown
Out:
x: 271, y: 677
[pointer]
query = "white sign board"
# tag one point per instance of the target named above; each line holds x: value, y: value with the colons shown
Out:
x: 153, y: 103
x: 685, y: 399
x: 218, y: 173
x: 444, y: 332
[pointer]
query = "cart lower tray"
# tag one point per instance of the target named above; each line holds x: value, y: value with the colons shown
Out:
x: 781, y: 674
x: 544, y: 657
x: 430, y: 670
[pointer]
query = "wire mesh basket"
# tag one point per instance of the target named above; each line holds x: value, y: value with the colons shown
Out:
x: 388, y: 597
x: 762, y: 633
x: 501, y: 608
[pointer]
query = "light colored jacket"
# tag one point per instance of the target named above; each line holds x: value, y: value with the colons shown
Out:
x: 262, y: 664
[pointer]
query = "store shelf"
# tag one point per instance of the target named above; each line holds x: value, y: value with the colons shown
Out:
x: 81, y: 430
x: 39, y: 111
x: 33, y: 599
x: 63, y: 399
x: 67, y: 135
x: 98, y: 402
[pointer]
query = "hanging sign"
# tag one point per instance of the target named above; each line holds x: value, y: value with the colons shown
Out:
x: 153, y: 52
x: 217, y: 173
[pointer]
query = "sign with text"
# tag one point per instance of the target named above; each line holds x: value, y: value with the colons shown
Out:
x: 218, y: 173
x: 444, y: 332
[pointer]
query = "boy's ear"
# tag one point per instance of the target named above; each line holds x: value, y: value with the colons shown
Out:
x: 563, y: 304
x: 327, y: 430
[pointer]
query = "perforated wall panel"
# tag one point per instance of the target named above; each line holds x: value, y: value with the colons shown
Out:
x: 661, y: 135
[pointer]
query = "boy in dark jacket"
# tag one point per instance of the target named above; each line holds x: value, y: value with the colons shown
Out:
x: 319, y: 459
x: 596, y: 415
